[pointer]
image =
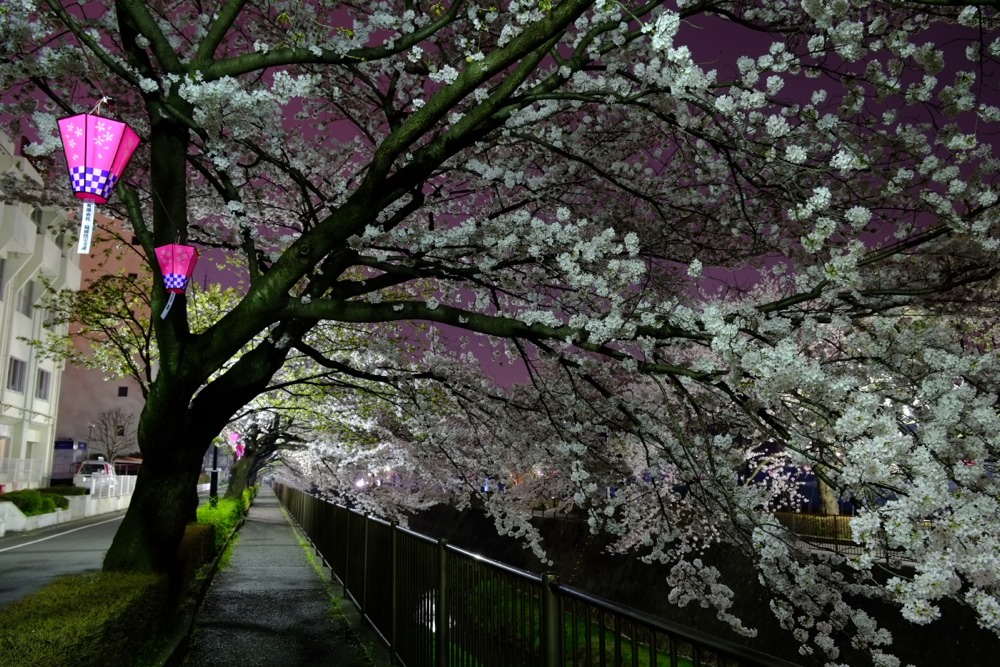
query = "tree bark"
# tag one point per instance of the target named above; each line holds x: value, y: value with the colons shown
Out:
x: 239, y: 477
x: 828, y: 498
x: 173, y: 439
x: 161, y: 506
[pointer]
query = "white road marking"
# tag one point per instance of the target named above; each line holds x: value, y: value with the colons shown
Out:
x: 65, y: 532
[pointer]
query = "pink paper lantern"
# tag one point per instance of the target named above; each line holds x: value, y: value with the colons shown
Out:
x: 176, y: 264
x: 97, y: 151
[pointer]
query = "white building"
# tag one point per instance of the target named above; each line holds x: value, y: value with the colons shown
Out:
x: 33, y: 253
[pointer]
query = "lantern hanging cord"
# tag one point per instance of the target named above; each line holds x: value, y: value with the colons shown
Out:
x: 97, y: 107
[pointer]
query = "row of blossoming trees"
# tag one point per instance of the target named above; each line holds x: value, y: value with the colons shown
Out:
x: 700, y: 225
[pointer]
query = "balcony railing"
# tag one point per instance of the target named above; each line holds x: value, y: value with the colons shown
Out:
x: 21, y: 473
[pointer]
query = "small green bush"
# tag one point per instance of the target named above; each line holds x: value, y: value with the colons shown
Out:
x: 248, y: 495
x: 36, y: 501
x: 224, y: 517
x: 29, y: 501
x: 88, y: 620
x: 61, y: 501
x: 48, y: 504
x: 65, y: 490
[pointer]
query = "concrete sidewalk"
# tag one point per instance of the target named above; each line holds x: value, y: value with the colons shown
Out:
x: 269, y: 606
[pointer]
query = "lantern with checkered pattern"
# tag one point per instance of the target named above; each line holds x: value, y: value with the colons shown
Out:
x: 176, y: 264
x: 97, y: 151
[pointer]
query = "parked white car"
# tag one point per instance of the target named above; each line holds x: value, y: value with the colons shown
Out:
x: 95, y: 475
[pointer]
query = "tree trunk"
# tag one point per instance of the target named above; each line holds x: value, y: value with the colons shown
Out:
x: 154, y: 524
x: 173, y: 444
x: 828, y: 497
x: 239, y: 477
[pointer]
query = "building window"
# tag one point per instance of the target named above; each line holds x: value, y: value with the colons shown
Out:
x: 135, y: 240
x: 16, y: 372
x: 123, y: 391
x: 133, y: 276
x: 42, y: 384
x: 3, y: 275
x: 26, y: 298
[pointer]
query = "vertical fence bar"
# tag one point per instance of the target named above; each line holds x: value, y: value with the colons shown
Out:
x: 364, y: 567
x: 441, y: 607
x: 347, y: 552
x: 394, y: 592
x: 552, y: 621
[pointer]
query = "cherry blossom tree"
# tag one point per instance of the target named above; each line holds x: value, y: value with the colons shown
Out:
x: 258, y: 441
x: 703, y: 225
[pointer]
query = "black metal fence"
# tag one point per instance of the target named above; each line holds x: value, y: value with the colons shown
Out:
x: 435, y: 605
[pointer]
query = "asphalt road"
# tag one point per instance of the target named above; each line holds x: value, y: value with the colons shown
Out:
x: 28, y: 562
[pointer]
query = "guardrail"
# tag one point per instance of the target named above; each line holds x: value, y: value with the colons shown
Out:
x: 433, y: 604
x: 102, y: 486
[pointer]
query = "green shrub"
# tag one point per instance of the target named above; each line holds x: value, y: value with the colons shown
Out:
x: 65, y: 490
x: 36, y: 501
x: 61, y: 501
x: 29, y: 501
x: 48, y: 504
x: 86, y: 620
x: 224, y: 517
x: 248, y: 495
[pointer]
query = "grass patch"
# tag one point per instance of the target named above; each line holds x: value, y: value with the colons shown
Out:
x: 227, y: 554
x: 91, y: 620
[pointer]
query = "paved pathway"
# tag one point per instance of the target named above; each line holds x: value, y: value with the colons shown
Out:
x: 270, y: 606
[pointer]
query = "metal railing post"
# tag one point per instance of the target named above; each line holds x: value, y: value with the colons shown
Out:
x: 364, y: 569
x: 441, y: 607
x: 551, y: 621
x: 393, y: 592
x: 347, y: 552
